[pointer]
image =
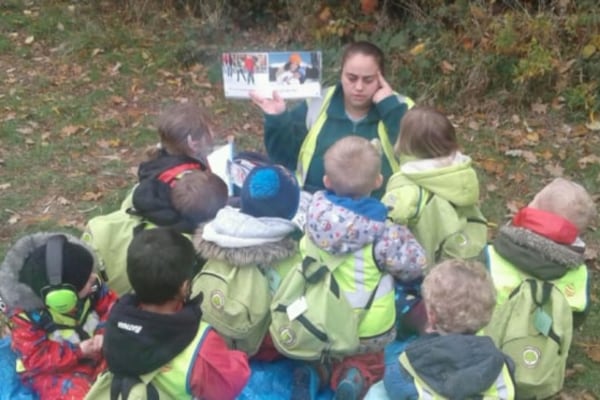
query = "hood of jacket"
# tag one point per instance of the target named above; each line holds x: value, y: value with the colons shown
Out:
x: 152, y: 198
x: 243, y: 240
x: 340, y: 230
x: 15, y: 294
x: 452, y: 178
x: 535, y: 254
x: 456, y: 366
x: 137, y: 341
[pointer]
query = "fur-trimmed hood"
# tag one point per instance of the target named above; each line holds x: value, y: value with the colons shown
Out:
x: 535, y: 254
x: 242, y: 240
x: 15, y: 294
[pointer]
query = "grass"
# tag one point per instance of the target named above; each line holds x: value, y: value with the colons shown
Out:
x: 79, y: 103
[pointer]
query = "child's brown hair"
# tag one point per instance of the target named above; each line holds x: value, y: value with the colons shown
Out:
x: 425, y: 133
x: 352, y: 167
x: 185, y: 129
x: 460, y: 295
x: 199, y: 195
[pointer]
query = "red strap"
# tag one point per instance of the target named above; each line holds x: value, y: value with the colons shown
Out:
x: 170, y: 175
x: 547, y: 224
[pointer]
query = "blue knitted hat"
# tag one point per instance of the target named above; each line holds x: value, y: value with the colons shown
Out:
x: 270, y: 191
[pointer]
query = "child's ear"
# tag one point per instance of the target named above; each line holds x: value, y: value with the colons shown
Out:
x: 326, y: 182
x: 185, y: 290
x: 431, y: 319
x: 378, y: 182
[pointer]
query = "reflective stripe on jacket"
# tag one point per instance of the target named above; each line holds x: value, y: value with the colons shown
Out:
x: 358, y: 277
x: 173, y: 377
x: 315, y: 118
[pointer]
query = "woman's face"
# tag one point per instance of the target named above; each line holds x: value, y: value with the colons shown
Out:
x: 359, y: 80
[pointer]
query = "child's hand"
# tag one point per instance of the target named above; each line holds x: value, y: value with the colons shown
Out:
x: 92, y: 347
x: 385, y: 90
x: 273, y: 106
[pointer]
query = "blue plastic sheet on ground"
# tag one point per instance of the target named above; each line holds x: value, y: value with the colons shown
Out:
x: 269, y: 380
x: 273, y: 381
x: 10, y: 385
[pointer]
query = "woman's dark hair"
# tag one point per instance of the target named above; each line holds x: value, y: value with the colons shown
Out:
x: 367, y: 49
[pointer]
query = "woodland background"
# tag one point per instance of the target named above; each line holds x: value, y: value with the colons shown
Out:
x: 82, y: 81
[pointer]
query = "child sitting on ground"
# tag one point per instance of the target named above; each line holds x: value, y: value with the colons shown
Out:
x: 57, y: 306
x: 259, y: 235
x: 344, y: 221
x: 186, y: 139
x: 537, y: 264
x: 544, y: 241
x: 159, y: 328
x: 194, y: 198
x: 451, y: 361
x: 436, y: 191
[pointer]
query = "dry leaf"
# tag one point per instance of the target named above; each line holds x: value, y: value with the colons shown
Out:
x: 567, y: 66
x: 117, y: 100
x: 593, y: 352
x: 325, y: 14
x: 97, y: 51
x: 69, y: 130
x: 518, y: 177
x: 62, y: 201
x: 490, y: 187
x: 533, y: 137
x: 473, y: 125
x: 447, y: 67
x: 368, y: 6
x: 588, y: 51
x: 585, y: 161
x: 515, y: 119
x: 115, y: 69
x: 529, y: 156
x: 492, y: 167
x: 26, y: 130
x: 4, y: 186
x: 29, y: 142
x: 29, y: 39
x: 554, y: 170
x: 91, y: 196
x: 547, y: 155
x: 513, y: 206
x: 539, y: 108
x: 593, y: 126
x: 14, y: 219
x: 418, y: 49
x: 467, y: 43
x: 590, y: 253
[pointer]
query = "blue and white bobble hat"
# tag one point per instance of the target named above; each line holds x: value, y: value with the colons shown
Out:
x: 270, y: 191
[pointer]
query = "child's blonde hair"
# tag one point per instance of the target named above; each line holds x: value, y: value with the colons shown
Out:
x: 568, y: 199
x: 460, y: 295
x: 425, y: 133
x: 185, y: 129
x: 352, y: 166
x: 199, y: 195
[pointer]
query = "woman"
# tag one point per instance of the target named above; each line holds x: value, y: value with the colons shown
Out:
x: 362, y: 103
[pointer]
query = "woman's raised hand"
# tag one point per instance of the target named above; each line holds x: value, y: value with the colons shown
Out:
x: 273, y: 106
x: 385, y: 90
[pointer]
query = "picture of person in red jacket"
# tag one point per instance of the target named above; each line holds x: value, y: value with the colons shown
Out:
x: 57, y: 306
x: 249, y: 65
